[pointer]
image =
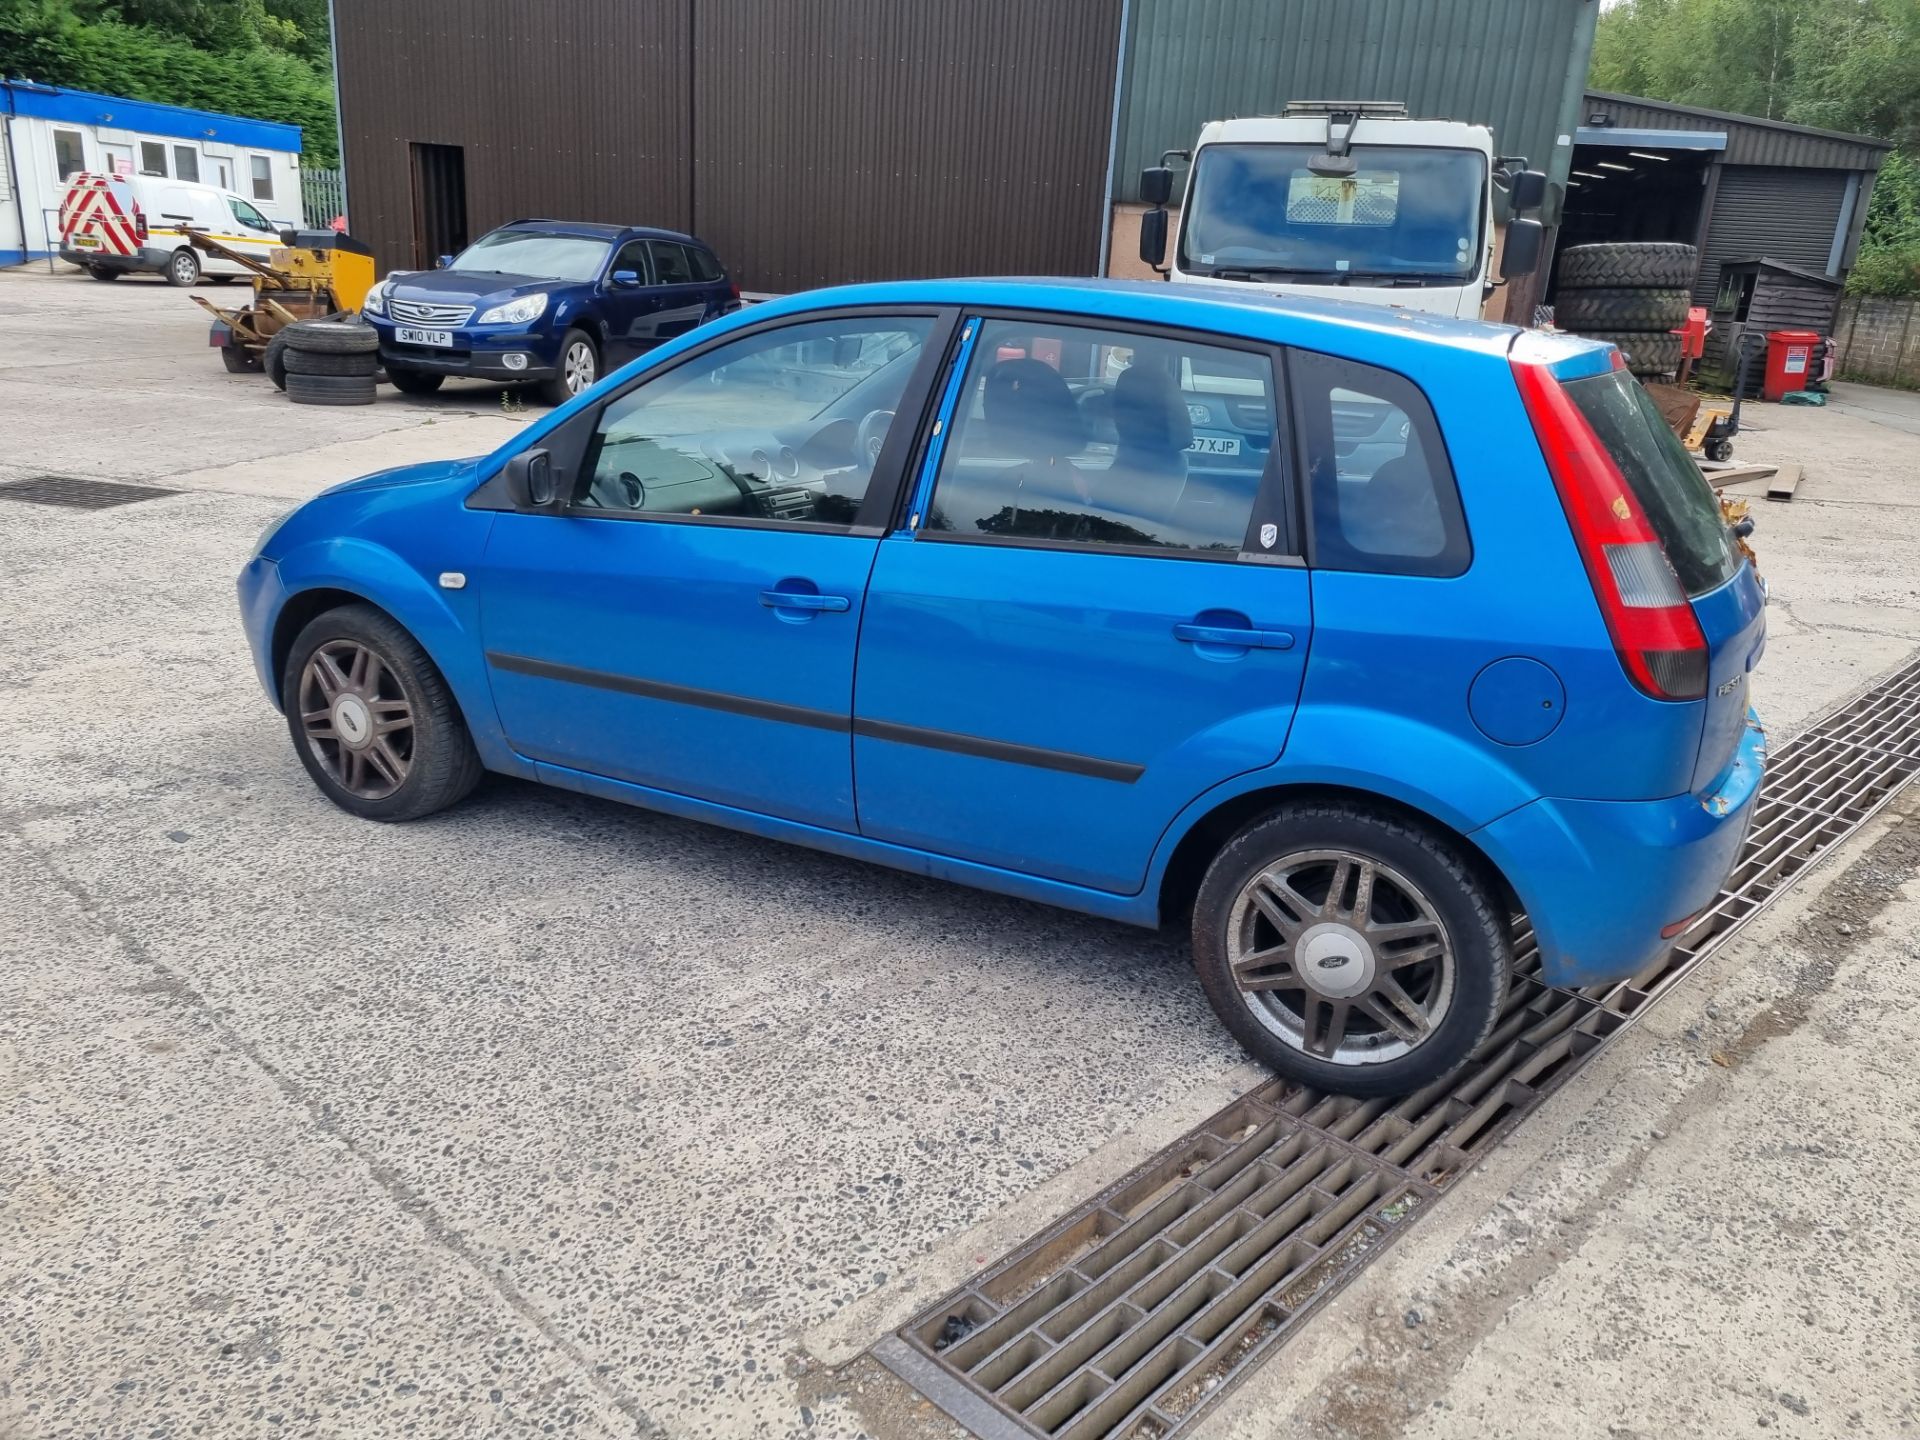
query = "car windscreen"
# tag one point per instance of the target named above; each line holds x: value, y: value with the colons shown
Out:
x: 1410, y: 213
x: 529, y: 252
x: 1679, y: 503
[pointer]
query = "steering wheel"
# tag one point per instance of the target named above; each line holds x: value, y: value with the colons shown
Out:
x: 871, y: 435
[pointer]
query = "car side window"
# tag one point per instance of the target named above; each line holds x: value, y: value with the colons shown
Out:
x: 1379, y: 483
x: 706, y: 269
x: 632, y: 256
x: 669, y: 263
x: 783, y: 425
x: 1110, y: 439
x: 248, y: 216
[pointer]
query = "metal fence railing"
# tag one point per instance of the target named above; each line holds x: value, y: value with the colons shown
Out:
x: 323, y: 196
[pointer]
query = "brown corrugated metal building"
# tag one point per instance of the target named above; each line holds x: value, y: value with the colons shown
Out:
x: 813, y: 141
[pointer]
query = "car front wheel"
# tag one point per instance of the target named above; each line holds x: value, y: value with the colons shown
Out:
x: 1350, y: 950
x: 373, y: 719
x: 579, y: 368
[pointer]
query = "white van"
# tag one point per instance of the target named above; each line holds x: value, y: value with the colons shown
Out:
x: 113, y: 224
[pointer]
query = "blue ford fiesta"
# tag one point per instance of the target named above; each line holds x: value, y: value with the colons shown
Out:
x: 1338, y: 634
x: 546, y: 302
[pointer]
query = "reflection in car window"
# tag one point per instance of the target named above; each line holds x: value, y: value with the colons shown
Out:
x: 528, y: 252
x: 705, y: 268
x: 785, y: 424
x: 1382, y: 492
x: 247, y: 215
x: 1100, y: 437
x: 632, y: 256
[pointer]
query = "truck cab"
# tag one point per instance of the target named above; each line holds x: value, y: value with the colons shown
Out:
x: 1348, y: 199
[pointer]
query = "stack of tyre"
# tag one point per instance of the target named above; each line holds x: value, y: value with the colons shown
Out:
x: 330, y: 361
x: 1632, y: 295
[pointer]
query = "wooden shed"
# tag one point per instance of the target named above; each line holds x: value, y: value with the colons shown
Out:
x: 1755, y: 296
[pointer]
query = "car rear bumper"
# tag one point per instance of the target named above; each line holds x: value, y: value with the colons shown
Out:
x: 1600, y: 879
x: 480, y: 354
x: 148, y: 259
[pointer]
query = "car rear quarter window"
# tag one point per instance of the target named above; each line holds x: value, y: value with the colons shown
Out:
x: 706, y: 269
x: 1680, y: 505
x: 1379, y: 486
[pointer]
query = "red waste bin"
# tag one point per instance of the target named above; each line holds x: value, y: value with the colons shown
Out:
x: 1789, y: 361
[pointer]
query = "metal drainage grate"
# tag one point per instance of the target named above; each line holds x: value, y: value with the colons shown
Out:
x: 74, y: 493
x: 1133, y: 1314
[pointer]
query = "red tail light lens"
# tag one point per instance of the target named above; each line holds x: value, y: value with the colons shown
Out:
x: 140, y: 223
x: 1654, y: 630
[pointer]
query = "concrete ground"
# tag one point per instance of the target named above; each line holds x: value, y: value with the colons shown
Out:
x: 549, y: 1115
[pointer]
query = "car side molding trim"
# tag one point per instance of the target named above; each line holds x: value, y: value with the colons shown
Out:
x: 1090, y: 765
x: 1093, y: 766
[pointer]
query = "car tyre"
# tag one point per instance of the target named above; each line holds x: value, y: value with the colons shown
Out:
x: 302, y: 361
x: 399, y: 748
x: 331, y: 389
x: 183, y: 268
x: 342, y: 334
x: 103, y: 272
x: 1428, y: 908
x: 414, y: 382
x: 578, y: 369
x: 274, y: 360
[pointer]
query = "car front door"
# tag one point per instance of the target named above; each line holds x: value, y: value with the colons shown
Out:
x: 687, y: 620
x: 1095, y: 614
x: 628, y: 302
x: 256, y: 236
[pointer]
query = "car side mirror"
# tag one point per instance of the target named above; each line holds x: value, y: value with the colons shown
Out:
x: 444, y: 262
x: 532, y: 481
x: 1153, y: 238
x: 1527, y: 191
x: 1156, y: 184
x: 626, y: 279
x: 1521, y: 254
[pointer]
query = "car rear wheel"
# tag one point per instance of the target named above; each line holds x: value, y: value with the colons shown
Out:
x: 183, y: 268
x: 373, y: 719
x: 579, y: 368
x: 414, y: 382
x: 1350, y: 950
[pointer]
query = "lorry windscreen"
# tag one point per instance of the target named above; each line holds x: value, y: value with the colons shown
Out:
x: 1258, y: 211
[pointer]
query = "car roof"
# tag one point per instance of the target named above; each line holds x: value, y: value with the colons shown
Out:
x: 588, y: 229
x: 1246, y: 312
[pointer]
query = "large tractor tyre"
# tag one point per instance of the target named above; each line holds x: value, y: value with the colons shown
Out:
x: 331, y: 389
x: 1640, y: 265
x: 1647, y: 353
x: 1621, y: 309
x: 334, y: 334
x: 301, y: 361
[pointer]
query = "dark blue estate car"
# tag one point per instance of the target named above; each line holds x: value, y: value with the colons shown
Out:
x: 550, y: 302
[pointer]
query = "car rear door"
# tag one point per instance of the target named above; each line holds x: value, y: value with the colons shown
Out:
x: 1094, y: 610
x: 683, y: 300
x: 688, y: 622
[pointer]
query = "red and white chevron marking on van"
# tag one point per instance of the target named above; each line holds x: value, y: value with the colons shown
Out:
x: 98, y: 214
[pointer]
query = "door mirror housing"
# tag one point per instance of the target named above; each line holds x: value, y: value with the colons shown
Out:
x: 1153, y: 238
x: 1528, y: 191
x: 626, y: 279
x: 532, y: 481
x: 1521, y: 255
x: 1156, y: 184
x: 443, y: 263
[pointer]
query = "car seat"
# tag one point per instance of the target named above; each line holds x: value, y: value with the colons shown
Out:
x: 1150, y: 461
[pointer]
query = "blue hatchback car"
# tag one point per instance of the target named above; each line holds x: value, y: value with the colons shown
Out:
x: 547, y: 302
x: 1338, y: 634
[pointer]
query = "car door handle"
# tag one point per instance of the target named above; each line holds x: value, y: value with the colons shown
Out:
x: 803, y: 600
x: 1226, y: 635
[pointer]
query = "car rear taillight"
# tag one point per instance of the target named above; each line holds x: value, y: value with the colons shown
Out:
x: 1654, y: 629
x: 140, y: 223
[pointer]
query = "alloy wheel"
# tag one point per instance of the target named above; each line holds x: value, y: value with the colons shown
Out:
x: 356, y: 719
x: 1341, y: 957
x: 184, y: 270
x: 578, y: 367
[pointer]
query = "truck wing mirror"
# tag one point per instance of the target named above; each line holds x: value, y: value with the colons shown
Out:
x: 1153, y: 238
x: 1528, y: 191
x: 1156, y: 184
x: 1521, y: 254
